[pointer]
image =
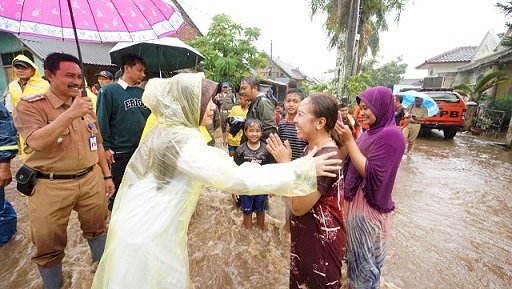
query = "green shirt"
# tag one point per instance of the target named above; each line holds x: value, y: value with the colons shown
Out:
x: 262, y: 108
x: 121, y: 117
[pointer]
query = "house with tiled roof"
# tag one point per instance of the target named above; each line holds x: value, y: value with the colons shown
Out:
x: 444, y: 66
x: 277, y: 73
x: 282, y: 71
x: 490, y: 56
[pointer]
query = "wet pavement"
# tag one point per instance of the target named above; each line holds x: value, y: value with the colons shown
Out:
x: 452, y: 229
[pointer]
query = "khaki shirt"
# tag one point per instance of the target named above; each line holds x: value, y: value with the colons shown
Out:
x: 225, y: 101
x: 420, y: 113
x: 73, y: 154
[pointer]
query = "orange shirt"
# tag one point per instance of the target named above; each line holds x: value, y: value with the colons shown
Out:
x: 70, y: 156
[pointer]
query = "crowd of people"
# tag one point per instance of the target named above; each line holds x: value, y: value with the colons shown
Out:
x: 138, y: 158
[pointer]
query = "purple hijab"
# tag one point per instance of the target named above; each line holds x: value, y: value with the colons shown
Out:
x: 383, y: 145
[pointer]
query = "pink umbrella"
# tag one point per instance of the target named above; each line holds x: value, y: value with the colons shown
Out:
x: 91, y: 20
x: 96, y: 20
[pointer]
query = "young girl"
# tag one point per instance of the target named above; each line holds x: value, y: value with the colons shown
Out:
x: 318, y: 236
x: 370, y: 173
x: 253, y: 151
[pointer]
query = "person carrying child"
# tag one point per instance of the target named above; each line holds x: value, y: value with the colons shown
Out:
x: 236, y: 119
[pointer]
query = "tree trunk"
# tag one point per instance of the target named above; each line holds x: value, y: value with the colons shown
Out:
x: 352, y: 38
x: 352, y: 30
x: 340, y: 52
x: 340, y: 68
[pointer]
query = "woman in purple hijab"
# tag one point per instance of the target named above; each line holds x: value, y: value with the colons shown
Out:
x: 370, y: 170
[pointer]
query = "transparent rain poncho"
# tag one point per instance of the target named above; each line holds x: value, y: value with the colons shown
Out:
x: 147, y: 236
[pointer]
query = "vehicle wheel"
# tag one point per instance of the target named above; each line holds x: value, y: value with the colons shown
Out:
x: 449, y: 133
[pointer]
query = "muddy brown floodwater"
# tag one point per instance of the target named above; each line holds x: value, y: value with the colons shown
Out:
x: 452, y: 229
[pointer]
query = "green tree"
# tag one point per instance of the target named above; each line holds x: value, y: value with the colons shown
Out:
x: 357, y: 83
x: 476, y: 92
x: 348, y: 18
x: 388, y: 74
x: 229, y: 50
x: 506, y: 8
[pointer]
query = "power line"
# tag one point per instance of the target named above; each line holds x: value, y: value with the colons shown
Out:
x: 195, y: 8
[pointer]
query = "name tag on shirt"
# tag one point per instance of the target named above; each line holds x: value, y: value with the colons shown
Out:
x: 93, y: 145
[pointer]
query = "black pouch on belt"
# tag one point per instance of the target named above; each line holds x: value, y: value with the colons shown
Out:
x: 26, y: 178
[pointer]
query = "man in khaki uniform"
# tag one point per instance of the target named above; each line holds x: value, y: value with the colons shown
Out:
x: 412, y: 125
x: 224, y: 101
x: 65, y: 148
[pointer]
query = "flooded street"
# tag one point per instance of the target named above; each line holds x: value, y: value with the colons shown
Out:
x: 452, y: 229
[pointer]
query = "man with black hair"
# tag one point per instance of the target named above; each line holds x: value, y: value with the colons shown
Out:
x: 292, y: 84
x: 261, y: 107
x: 122, y: 116
x: 400, y: 111
x: 66, y: 158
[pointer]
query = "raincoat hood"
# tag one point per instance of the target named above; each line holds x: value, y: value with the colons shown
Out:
x: 177, y: 101
x: 37, y: 74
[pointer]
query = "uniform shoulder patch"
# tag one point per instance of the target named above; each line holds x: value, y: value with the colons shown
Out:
x: 32, y: 98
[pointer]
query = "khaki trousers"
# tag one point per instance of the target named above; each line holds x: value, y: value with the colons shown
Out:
x: 50, y: 207
x: 411, y: 132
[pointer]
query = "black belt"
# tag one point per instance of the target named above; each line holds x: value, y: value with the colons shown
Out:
x: 78, y: 175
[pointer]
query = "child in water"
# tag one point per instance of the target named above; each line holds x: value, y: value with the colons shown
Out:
x: 254, y: 151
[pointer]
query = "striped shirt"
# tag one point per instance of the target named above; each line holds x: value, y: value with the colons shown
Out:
x: 287, y: 131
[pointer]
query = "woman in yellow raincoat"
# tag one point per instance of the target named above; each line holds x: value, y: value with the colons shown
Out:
x: 147, y: 237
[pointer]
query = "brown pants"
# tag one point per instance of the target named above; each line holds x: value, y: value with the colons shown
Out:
x: 50, y: 207
x: 223, y: 115
x: 411, y: 132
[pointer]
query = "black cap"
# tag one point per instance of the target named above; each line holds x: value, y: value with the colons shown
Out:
x: 106, y: 74
x: 22, y: 63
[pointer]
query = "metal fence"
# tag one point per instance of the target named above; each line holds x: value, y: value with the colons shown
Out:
x: 490, y: 120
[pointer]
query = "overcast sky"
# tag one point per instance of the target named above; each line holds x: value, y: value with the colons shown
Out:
x: 426, y: 29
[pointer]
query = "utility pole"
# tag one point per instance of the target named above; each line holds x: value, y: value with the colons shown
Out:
x: 352, y: 38
x: 270, y: 68
x: 340, y: 53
